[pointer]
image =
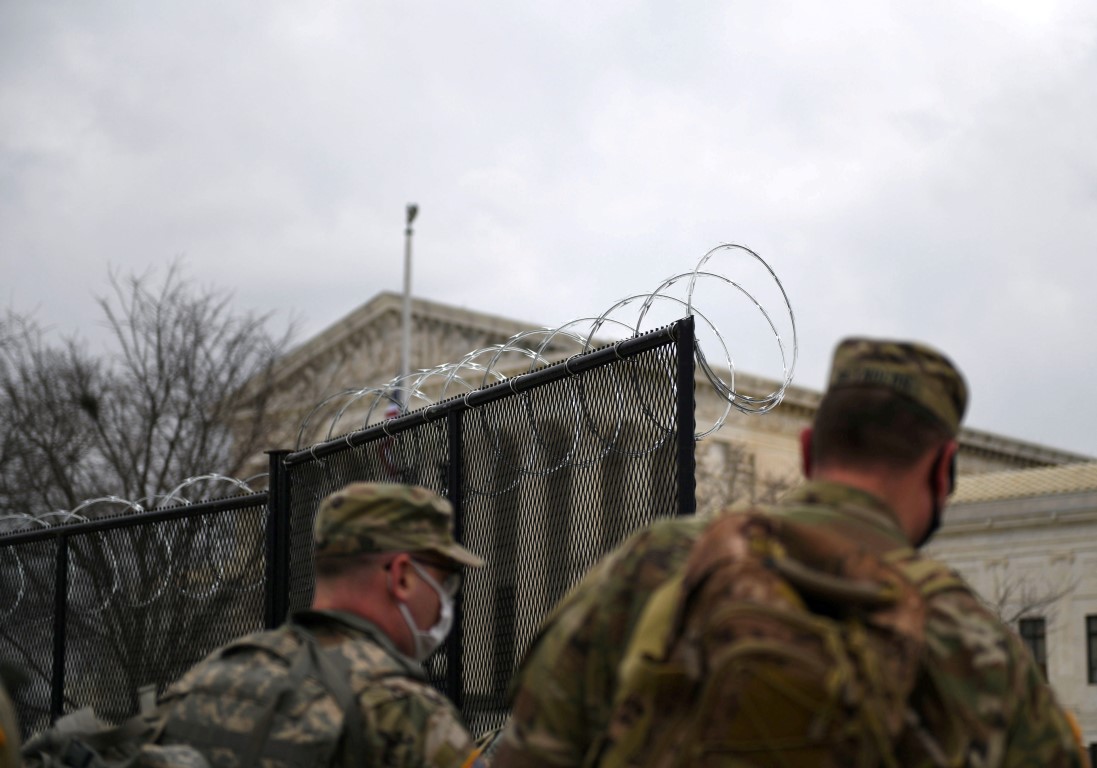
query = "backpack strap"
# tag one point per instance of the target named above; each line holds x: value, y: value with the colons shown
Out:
x: 298, y: 671
x: 929, y: 576
x: 644, y: 667
x: 333, y: 673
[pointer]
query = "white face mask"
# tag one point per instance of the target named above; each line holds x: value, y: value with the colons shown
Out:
x: 427, y: 641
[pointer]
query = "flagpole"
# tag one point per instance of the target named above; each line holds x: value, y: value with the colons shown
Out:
x: 405, y: 357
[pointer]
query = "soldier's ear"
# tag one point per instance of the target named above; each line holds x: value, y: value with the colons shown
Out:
x: 805, y: 451
x: 398, y: 584
x: 944, y: 470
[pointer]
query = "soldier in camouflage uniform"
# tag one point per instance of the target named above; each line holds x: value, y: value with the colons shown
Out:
x: 879, y: 461
x: 387, y: 571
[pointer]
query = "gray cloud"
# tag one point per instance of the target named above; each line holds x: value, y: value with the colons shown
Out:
x: 925, y: 171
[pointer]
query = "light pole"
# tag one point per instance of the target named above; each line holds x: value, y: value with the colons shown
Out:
x: 405, y: 357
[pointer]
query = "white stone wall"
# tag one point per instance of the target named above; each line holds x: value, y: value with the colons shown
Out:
x: 1038, y: 558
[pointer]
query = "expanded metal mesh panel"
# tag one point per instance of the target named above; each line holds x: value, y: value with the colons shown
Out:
x: 175, y: 591
x: 553, y: 479
x: 27, y: 573
x: 418, y: 456
x: 147, y: 597
x: 552, y: 476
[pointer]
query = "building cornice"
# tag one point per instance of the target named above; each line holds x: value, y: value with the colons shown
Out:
x: 997, y: 446
x: 1051, y: 507
x: 390, y: 303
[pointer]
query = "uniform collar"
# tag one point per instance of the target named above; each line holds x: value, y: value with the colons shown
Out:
x: 862, y: 506
x: 354, y: 624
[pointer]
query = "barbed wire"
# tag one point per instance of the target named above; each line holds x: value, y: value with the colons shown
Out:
x: 196, y: 557
x: 530, y: 350
x: 200, y: 547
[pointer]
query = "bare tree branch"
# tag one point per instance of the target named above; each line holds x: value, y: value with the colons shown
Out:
x: 1016, y: 596
x: 161, y: 405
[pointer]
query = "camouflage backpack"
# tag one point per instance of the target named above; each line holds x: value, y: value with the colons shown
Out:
x: 81, y: 739
x: 274, y: 697
x: 779, y: 644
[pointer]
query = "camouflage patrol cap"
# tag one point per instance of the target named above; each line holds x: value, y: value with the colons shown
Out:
x: 913, y: 370
x: 387, y: 517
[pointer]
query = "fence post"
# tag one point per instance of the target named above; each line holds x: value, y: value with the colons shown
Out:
x: 455, y: 648
x: 60, y: 614
x: 687, y: 420
x: 278, y: 532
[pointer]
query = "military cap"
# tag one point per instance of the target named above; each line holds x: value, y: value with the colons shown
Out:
x: 915, y: 371
x: 387, y: 517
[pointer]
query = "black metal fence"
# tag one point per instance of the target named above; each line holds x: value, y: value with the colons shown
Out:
x: 95, y: 610
x: 546, y: 471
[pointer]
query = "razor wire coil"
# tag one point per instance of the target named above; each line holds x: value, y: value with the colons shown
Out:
x: 177, y: 553
x: 523, y: 352
x: 528, y: 350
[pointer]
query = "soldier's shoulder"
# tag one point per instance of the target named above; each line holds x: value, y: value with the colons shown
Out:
x: 986, y: 680
x: 415, y: 719
x: 232, y: 659
x: 599, y: 612
x: 274, y: 642
x: 966, y: 639
x: 397, y: 687
x: 657, y: 549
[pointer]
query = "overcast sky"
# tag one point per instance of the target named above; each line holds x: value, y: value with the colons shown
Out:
x: 925, y: 170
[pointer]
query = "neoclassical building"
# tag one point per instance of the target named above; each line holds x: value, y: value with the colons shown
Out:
x: 1022, y: 526
x: 751, y: 456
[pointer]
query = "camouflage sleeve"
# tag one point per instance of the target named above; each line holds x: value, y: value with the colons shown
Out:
x: 983, y: 701
x: 1041, y: 733
x: 564, y: 691
x: 415, y: 725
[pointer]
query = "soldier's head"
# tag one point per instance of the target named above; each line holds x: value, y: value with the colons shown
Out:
x: 393, y: 545
x: 888, y: 406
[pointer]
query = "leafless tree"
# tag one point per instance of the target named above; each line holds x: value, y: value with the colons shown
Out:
x: 160, y: 405
x: 1017, y: 596
x: 180, y: 390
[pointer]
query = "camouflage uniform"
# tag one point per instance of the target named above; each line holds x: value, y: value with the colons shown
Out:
x: 407, y: 721
x: 979, y: 699
x: 404, y: 721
